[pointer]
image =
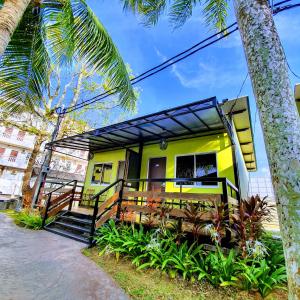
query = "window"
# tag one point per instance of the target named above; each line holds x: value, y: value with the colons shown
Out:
x: 2, y: 151
x: 102, y: 173
x: 78, y: 168
x: 13, y: 155
x: 8, y: 132
x: 21, y: 135
x: 197, y: 166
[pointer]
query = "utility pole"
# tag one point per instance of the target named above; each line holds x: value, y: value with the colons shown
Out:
x: 46, y: 164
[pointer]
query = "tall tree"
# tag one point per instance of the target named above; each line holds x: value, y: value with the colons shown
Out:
x: 54, y: 31
x: 274, y: 98
x: 40, y: 121
x: 10, y: 15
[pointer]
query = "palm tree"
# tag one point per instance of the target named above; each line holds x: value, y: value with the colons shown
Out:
x: 59, y: 32
x: 274, y: 98
x: 10, y: 15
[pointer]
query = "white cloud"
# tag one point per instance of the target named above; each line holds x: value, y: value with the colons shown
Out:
x: 209, y: 74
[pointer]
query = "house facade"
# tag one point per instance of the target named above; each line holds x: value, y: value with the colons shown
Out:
x: 199, y: 153
x: 200, y: 139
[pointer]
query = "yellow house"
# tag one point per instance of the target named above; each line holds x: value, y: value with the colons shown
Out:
x: 203, y: 148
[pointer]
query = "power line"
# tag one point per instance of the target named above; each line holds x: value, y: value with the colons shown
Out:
x: 169, y: 62
x: 162, y: 66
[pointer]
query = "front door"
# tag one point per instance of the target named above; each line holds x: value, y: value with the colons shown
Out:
x: 157, y: 169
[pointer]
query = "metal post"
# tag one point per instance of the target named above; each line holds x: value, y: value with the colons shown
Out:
x: 226, y: 208
x: 46, y: 164
x: 73, y: 194
x: 95, y: 213
x: 46, y: 210
x: 118, y: 215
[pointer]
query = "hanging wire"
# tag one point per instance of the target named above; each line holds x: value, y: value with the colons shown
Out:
x: 186, y: 53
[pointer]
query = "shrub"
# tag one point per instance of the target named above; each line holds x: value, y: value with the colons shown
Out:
x: 159, y: 249
x: 30, y: 219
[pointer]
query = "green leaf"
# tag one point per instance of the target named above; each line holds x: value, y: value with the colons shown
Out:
x: 24, y: 65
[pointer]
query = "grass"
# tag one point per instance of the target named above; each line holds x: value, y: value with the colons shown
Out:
x: 152, y: 285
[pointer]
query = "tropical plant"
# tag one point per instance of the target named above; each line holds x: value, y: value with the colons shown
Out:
x: 155, y: 249
x: 273, y: 92
x: 30, y: 219
x: 259, y: 275
x: 194, y: 214
x: 247, y: 222
x: 56, y: 31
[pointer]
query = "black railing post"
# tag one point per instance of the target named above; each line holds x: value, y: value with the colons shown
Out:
x: 73, y: 194
x: 226, y: 209
x: 95, y: 213
x: 46, y: 210
x: 118, y: 215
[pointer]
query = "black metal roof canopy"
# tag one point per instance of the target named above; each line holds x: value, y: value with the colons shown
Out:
x: 197, y: 118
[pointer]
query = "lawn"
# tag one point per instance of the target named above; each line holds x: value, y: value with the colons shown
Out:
x: 151, y: 284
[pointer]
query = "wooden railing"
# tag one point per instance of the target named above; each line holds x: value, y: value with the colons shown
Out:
x: 141, y: 202
x: 55, y: 204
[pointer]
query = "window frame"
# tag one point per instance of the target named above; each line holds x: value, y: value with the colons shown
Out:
x: 194, y: 185
x: 101, y: 183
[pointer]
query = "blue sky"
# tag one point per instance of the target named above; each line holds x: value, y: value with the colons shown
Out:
x: 218, y: 70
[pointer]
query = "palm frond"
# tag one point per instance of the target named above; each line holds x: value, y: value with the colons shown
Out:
x: 151, y: 10
x: 216, y: 13
x: 181, y: 10
x: 75, y: 32
x: 59, y: 17
x: 24, y: 65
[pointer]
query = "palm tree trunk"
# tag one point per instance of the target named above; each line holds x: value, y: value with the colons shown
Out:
x: 280, y: 121
x: 27, y: 191
x: 10, y: 15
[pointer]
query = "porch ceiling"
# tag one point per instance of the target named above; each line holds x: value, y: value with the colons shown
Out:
x: 197, y: 118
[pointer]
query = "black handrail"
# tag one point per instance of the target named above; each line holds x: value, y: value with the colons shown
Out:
x: 62, y: 185
x: 95, y: 213
x: 48, y: 204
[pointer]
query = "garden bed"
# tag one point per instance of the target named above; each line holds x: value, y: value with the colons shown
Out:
x: 261, y: 271
x: 153, y: 285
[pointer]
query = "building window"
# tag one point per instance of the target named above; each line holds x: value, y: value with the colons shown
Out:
x: 197, y: 166
x: 78, y: 168
x: 2, y: 151
x: 13, y: 155
x: 8, y: 132
x: 21, y: 135
x: 102, y: 173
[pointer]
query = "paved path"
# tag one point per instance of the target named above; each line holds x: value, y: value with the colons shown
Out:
x: 38, y: 265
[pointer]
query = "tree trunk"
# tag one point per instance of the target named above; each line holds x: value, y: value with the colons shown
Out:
x: 10, y: 15
x: 280, y: 121
x: 27, y: 191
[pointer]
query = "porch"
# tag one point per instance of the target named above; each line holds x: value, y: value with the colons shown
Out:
x: 138, y: 205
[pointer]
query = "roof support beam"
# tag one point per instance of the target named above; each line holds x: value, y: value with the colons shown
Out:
x: 199, y: 119
x: 181, y: 124
x: 163, y: 128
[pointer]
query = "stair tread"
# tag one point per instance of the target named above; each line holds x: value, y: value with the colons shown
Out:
x: 67, y: 234
x: 72, y: 226
x: 76, y: 219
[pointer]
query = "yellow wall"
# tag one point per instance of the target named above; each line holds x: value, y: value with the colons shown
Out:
x: 217, y: 143
x: 104, y: 157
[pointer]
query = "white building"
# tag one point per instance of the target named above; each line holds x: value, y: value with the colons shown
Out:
x: 15, y: 150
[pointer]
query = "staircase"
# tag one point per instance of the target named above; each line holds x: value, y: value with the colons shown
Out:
x: 72, y: 225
